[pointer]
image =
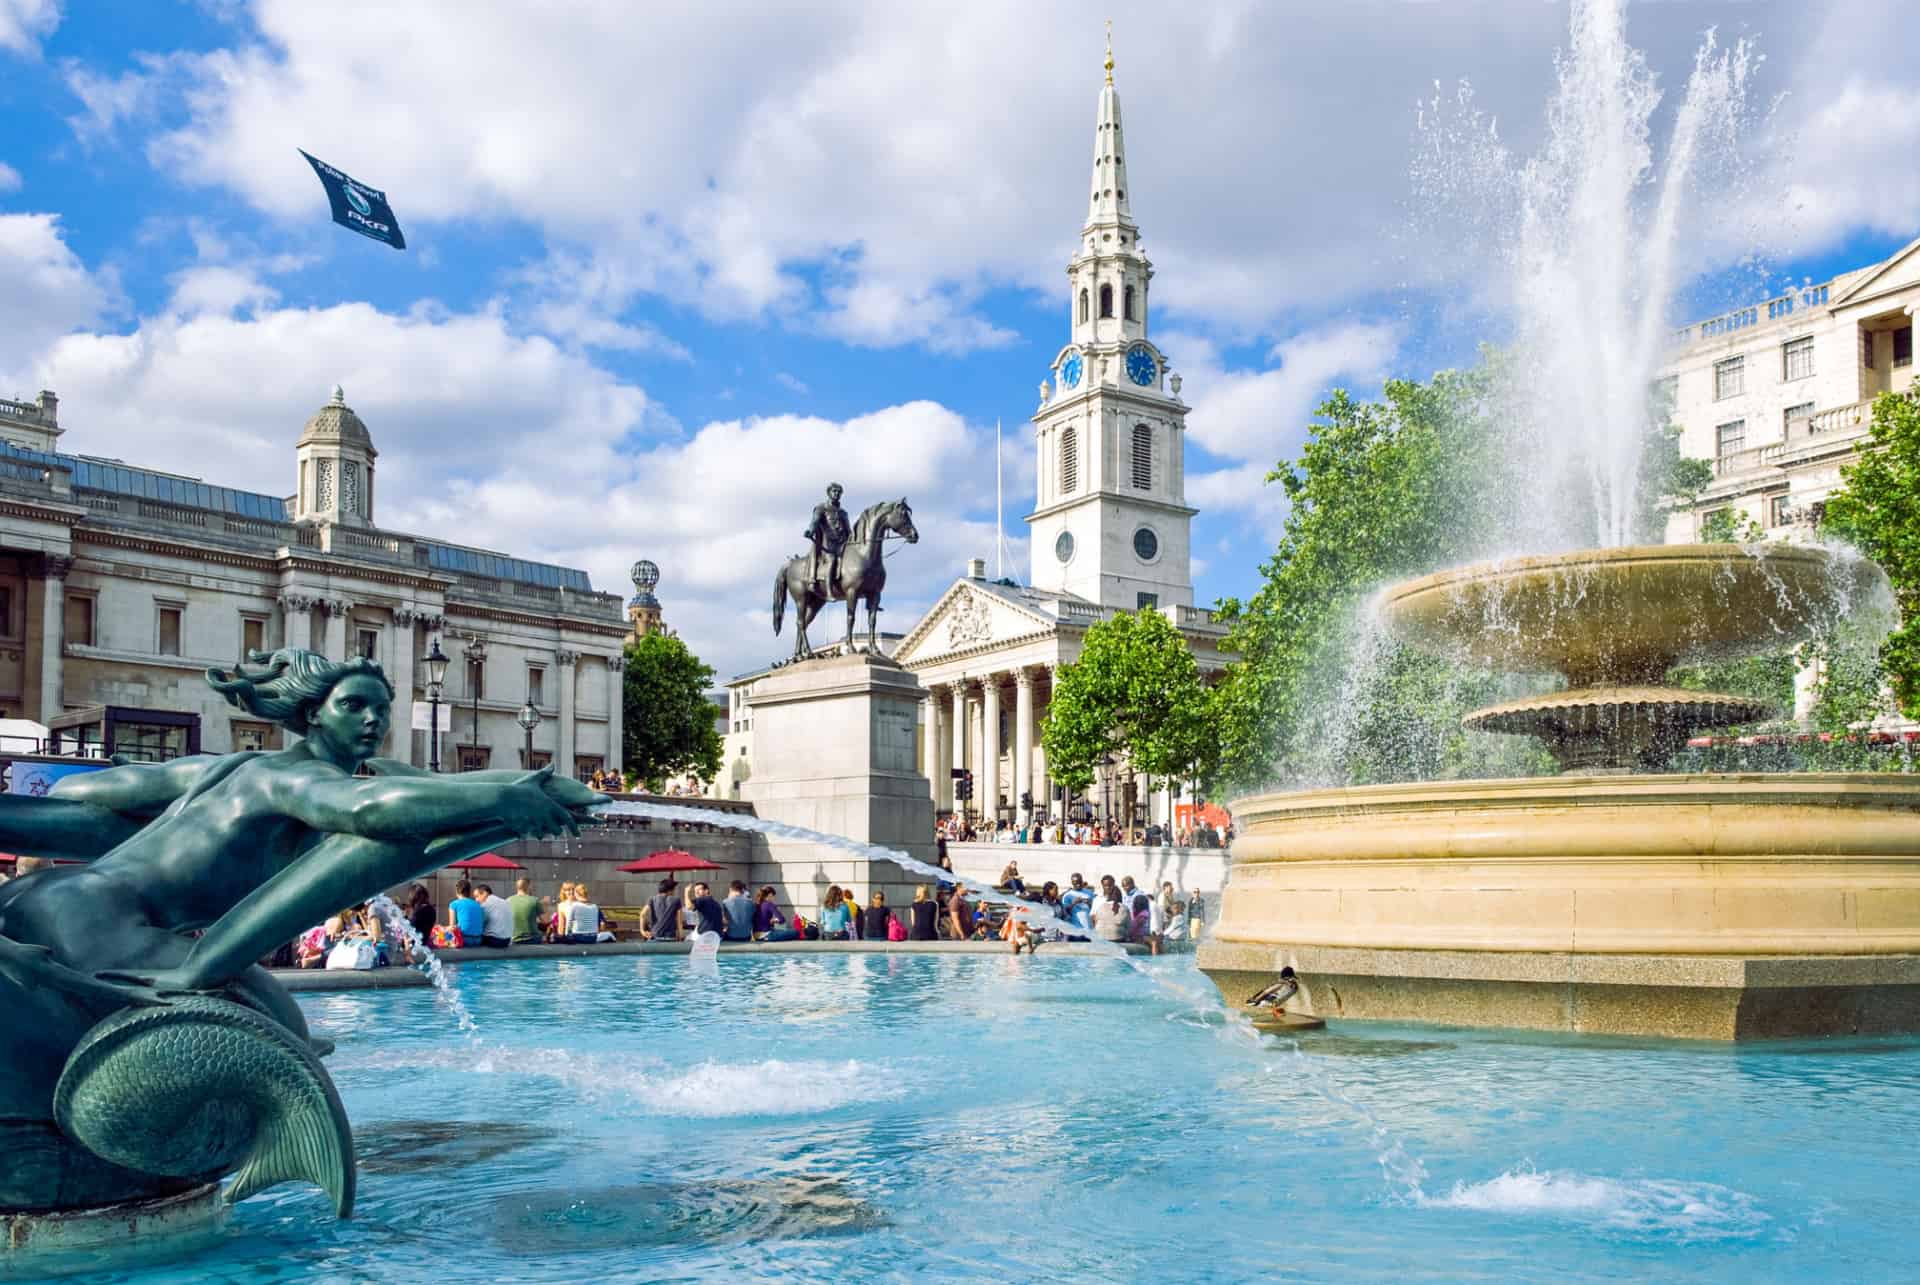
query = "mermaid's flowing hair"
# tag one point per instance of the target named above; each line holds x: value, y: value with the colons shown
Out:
x: 286, y: 686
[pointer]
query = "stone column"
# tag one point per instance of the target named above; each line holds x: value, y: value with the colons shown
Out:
x: 1042, y: 787
x: 53, y: 570
x: 930, y: 741
x: 337, y: 610
x: 942, y: 750
x: 616, y: 712
x: 990, y: 745
x: 563, y: 749
x: 294, y: 608
x: 1022, y: 736
x: 400, y: 671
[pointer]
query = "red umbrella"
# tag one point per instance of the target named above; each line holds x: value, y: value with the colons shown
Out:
x: 486, y: 861
x: 668, y: 860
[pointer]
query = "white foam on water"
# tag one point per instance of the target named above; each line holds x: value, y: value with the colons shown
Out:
x: 1653, y: 1207
x: 708, y: 1090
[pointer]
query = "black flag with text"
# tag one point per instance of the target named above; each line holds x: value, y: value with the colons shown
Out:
x: 357, y: 206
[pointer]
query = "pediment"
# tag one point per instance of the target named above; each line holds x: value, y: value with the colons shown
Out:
x: 967, y: 617
x: 1902, y: 269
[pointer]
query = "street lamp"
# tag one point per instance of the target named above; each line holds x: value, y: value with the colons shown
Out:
x: 436, y: 664
x: 528, y: 718
x: 476, y: 653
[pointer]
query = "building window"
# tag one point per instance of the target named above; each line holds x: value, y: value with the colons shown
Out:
x: 535, y: 761
x: 1779, y: 510
x: 367, y: 644
x: 167, y: 639
x: 1866, y: 349
x: 1142, y: 457
x: 1730, y: 437
x: 473, y: 758
x: 323, y: 491
x: 1126, y: 303
x: 585, y: 765
x: 1799, y: 414
x: 476, y: 680
x: 1146, y: 601
x: 253, y: 635
x: 1106, y: 301
x: 79, y: 622
x: 1069, y: 460
x: 536, y: 685
x: 1903, y: 346
x: 253, y: 736
x: 1084, y: 314
x: 1729, y: 378
x: 6, y: 611
x: 1796, y: 359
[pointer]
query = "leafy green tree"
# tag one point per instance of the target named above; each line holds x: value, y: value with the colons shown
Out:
x: 1135, y: 693
x: 669, y: 722
x: 1877, y: 508
x: 1767, y: 677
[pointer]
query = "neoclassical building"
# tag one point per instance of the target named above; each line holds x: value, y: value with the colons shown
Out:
x: 1778, y: 394
x: 1110, y: 529
x: 121, y: 584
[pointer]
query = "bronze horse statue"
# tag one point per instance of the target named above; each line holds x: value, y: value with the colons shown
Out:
x: 863, y: 574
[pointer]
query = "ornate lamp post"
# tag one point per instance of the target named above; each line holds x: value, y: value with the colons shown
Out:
x: 528, y: 718
x: 435, y: 662
x: 476, y: 653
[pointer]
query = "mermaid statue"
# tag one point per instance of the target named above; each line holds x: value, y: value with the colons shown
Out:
x: 145, y: 1052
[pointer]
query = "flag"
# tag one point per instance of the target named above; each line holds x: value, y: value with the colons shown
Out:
x: 359, y: 207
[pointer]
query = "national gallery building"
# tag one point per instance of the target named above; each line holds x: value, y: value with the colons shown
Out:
x: 120, y: 584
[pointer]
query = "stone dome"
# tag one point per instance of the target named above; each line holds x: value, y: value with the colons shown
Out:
x: 336, y: 424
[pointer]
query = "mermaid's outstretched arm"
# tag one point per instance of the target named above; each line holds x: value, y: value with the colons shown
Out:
x: 61, y: 827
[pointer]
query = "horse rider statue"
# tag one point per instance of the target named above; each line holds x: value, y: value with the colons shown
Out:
x: 828, y: 531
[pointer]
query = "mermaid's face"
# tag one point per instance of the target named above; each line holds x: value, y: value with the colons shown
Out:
x: 352, y: 720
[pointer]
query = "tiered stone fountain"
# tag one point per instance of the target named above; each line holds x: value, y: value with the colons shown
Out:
x: 1604, y: 900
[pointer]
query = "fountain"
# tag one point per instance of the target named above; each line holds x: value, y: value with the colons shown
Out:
x: 1603, y: 899
x: 1614, y: 897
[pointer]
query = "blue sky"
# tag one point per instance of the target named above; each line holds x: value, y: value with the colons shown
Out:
x: 671, y: 268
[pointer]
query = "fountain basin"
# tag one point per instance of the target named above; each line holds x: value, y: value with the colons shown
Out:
x: 1707, y: 905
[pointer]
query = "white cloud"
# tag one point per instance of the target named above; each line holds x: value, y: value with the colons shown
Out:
x: 25, y: 23
x: 9, y: 178
x: 791, y: 382
x: 48, y: 291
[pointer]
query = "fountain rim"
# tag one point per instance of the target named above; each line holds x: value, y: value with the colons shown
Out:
x: 1493, y: 570
x: 1884, y: 789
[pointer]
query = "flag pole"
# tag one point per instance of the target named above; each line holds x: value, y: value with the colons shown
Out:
x: 999, y: 510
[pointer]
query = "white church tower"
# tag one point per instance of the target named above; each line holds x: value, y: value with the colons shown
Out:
x: 1112, y: 523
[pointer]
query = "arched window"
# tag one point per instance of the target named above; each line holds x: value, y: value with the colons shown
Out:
x: 1106, y: 301
x: 1069, y: 460
x: 1127, y: 304
x: 1142, y: 457
x: 1083, y: 305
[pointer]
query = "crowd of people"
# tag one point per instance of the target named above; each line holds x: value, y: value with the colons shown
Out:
x: 1115, y: 911
x: 1085, y: 830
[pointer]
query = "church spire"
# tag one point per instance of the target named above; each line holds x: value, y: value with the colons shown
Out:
x: 1108, y: 206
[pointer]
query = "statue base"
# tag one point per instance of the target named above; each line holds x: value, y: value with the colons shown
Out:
x: 108, y: 1236
x: 835, y: 741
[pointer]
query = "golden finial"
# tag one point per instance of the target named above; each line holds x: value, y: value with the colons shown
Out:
x: 1109, y: 51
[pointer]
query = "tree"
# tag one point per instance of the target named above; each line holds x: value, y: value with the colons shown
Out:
x: 1877, y: 508
x: 1135, y: 693
x: 668, y: 726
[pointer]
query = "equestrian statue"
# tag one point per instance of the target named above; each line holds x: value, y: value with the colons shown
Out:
x: 145, y: 1053
x: 845, y: 564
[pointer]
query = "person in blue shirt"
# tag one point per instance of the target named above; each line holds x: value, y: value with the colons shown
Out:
x: 464, y: 913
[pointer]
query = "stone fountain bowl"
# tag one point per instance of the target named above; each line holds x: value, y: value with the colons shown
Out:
x: 1606, y: 617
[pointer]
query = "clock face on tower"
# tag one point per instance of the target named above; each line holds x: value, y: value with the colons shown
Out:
x: 1063, y: 547
x: 1141, y: 367
x: 1070, y: 371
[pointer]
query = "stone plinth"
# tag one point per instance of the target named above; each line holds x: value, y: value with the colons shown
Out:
x: 109, y: 1236
x: 834, y: 751
x: 1711, y: 906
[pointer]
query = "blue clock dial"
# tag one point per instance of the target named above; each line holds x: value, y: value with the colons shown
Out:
x: 1070, y: 371
x: 1141, y: 367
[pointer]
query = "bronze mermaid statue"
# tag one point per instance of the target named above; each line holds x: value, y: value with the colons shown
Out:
x: 145, y: 1051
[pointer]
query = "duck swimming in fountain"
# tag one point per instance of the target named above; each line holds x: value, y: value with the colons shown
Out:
x: 139, y: 1062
